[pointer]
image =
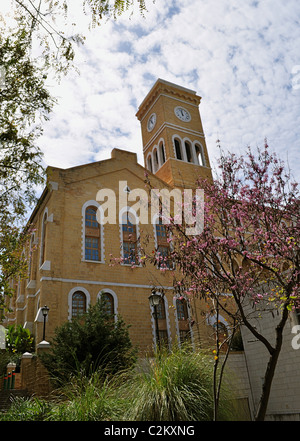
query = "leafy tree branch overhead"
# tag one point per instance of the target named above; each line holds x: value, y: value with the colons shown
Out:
x: 26, y: 104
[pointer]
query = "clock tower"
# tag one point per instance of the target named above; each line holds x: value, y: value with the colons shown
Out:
x: 173, y: 140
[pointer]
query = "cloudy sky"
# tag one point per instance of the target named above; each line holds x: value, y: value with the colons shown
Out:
x: 242, y: 58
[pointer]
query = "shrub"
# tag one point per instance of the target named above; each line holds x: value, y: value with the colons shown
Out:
x: 92, y: 341
x: 24, y: 409
x: 93, y: 398
x: 176, y: 386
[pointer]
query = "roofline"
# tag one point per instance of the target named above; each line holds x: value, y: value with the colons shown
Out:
x: 167, y: 83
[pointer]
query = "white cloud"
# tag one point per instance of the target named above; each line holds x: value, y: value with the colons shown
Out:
x: 238, y: 57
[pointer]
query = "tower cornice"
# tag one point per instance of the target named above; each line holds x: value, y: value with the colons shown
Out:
x: 162, y: 87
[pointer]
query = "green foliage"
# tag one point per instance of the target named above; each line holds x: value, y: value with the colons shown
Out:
x: 173, y: 386
x: 176, y: 386
x: 19, y: 340
x: 59, y: 41
x: 93, y: 398
x: 24, y: 101
x: 5, y: 358
x: 92, y: 341
x: 24, y: 409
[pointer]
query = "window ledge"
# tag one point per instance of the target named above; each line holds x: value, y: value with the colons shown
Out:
x: 93, y: 261
x: 46, y: 266
x: 130, y: 265
x: 31, y: 284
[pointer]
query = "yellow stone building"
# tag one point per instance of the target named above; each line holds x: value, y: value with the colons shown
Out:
x: 71, y: 255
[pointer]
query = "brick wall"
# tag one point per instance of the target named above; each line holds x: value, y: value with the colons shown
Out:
x: 34, y: 376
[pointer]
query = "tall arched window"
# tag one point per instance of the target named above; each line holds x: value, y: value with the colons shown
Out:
x: 43, y: 238
x: 162, y: 152
x: 178, y: 149
x: 155, y: 160
x: 162, y: 322
x: 188, y: 150
x: 78, y: 304
x: 149, y: 163
x: 108, y: 301
x: 129, y: 239
x: 162, y: 245
x: 30, y: 255
x: 183, y: 319
x: 182, y: 311
x: 92, y: 235
x: 199, y: 154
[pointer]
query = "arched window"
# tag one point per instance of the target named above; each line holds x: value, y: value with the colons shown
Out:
x: 188, y: 150
x: 182, y: 311
x: 178, y: 149
x: 163, y: 334
x: 30, y: 255
x: 92, y: 235
x: 108, y: 301
x: 43, y: 238
x: 78, y: 304
x: 183, y: 319
x: 155, y: 161
x: 199, y: 154
x: 162, y: 245
x: 129, y: 238
x: 162, y: 153
x: 161, y: 310
x: 222, y: 331
x: 149, y: 164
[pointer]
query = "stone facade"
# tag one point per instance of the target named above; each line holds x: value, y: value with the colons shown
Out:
x: 59, y: 264
x: 72, y: 261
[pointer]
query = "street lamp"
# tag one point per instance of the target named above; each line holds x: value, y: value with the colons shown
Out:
x: 45, y: 311
x: 154, y: 300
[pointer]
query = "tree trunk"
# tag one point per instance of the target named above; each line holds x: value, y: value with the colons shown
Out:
x: 270, y: 370
x: 266, y: 389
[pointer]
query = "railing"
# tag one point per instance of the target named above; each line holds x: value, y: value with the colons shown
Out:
x: 9, y: 381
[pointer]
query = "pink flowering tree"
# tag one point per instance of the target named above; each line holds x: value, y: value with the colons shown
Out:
x: 248, y: 250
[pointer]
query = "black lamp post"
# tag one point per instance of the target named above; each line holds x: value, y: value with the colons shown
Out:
x: 154, y: 300
x: 45, y: 311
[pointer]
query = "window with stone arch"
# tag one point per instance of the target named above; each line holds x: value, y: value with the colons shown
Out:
x: 155, y: 160
x: 92, y: 233
x: 43, y: 237
x: 149, y: 163
x: 161, y: 313
x: 78, y: 304
x: 129, y: 237
x: 182, y: 309
x: 162, y: 245
x: 110, y: 302
x: 199, y: 154
x: 30, y: 256
x: 183, y: 319
x: 220, y: 329
x: 189, y: 152
x: 162, y: 155
x: 178, y: 151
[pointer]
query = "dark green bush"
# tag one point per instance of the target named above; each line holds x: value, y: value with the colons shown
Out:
x: 93, y: 341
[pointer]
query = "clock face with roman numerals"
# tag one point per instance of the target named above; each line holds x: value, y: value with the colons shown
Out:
x: 151, y: 122
x: 182, y: 114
